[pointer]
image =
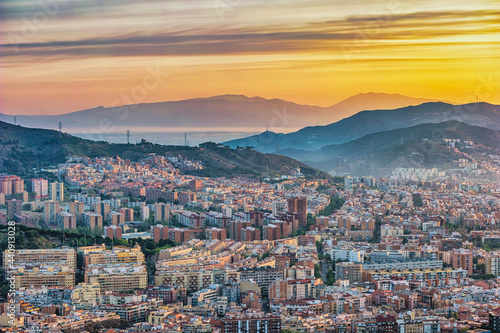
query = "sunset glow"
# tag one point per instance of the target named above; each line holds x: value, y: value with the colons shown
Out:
x: 83, y: 54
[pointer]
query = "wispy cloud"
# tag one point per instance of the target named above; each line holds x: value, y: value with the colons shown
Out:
x: 254, y: 39
x: 411, y: 26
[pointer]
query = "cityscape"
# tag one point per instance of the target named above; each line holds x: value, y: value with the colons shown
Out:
x: 229, y: 166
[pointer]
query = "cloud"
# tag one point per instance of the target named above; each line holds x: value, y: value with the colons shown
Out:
x: 316, y: 37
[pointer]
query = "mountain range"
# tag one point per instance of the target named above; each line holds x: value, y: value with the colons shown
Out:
x: 24, y: 149
x: 420, y: 146
x: 367, y: 142
x: 368, y: 122
x: 225, y: 111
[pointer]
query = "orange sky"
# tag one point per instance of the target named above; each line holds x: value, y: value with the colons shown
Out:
x: 80, y: 54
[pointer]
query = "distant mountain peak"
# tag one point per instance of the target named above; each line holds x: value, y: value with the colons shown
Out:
x: 234, y: 98
x: 376, y: 101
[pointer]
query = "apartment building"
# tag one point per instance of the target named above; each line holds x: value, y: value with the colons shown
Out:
x: 263, y: 276
x: 462, y: 258
x: 118, y: 277
x: 161, y: 212
x: 92, y: 220
x: 298, y: 206
x: 292, y: 289
x: 117, y: 256
x: 216, y: 233
x: 349, y: 271
x: 190, y: 219
x: 64, y: 256
x: 28, y: 276
x: 251, y: 324
x: 14, y: 207
x: 51, y: 209
x: 39, y: 186
x: 65, y: 220
x: 113, y: 232
x: 56, y: 190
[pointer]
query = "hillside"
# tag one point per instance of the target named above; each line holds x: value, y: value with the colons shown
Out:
x: 376, y: 101
x: 225, y: 111
x: 22, y: 149
x: 368, y: 122
x: 419, y: 146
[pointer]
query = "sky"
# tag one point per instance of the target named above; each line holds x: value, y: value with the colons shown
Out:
x: 60, y: 56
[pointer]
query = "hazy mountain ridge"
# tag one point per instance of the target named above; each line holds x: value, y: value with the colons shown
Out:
x: 368, y: 122
x: 227, y: 111
x: 419, y: 146
x: 22, y: 149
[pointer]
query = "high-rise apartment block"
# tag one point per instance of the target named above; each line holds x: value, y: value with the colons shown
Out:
x: 11, y: 184
x: 113, y: 232
x: 349, y: 271
x: 216, y: 233
x: 92, y: 220
x: 279, y: 207
x: 348, y: 183
x: 115, y: 218
x: 39, y: 186
x: 51, y: 209
x: 162, y: 212
x: 298, y: 206
x: 57, y: 191
x: 159, y: 232
x: 66, y: 220
x: 195, y: 185
x: 14, y: 207
x: 462, y: 258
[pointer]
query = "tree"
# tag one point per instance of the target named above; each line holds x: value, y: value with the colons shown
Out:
x: 319, y: 246
x: 481, y: 268
x: 330, y: 277
x: 335, y: 204
x: 317, y: 271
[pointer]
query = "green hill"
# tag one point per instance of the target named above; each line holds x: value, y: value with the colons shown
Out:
x: 368, y: 122
x: 419, y: 146
x: 24, y: 149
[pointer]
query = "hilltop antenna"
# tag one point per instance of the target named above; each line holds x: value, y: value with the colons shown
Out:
x: 15, y: 120
x: 185, y: 139
x: 60, y: 127
x: 128, y: 137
